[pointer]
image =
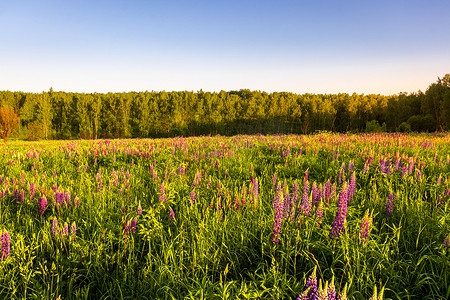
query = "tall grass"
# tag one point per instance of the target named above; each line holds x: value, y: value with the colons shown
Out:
x: 206, y: 232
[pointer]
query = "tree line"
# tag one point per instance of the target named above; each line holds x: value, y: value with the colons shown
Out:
x: 65, y: 115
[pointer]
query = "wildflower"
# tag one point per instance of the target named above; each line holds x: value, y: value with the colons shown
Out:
x: 42, y: 203
x: 446, y: 242
x: 390, y: 204
x: 162, y: 194
x: 274, y: 180
x: 311, y: 285
x: 5, y: 245
x: 322, y: 293
x: 32, y: 190
x: 171, y: 215
x: 73, y: 229
x: 139, y: 209
x: 133, y: 224
x: 351, y: 188
x: 366, y: 167
x: 365, y: 227
x: 192, y: 196
x: 65, y: 229
x: 306, y: 204
x: 278, y: 204
x: 54, y: 226
x: 341, y: 213
x: 304, y: 295
x: 331, y: 291
x: 22, y: 196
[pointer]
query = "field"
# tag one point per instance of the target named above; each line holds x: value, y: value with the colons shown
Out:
x: 241, y: 217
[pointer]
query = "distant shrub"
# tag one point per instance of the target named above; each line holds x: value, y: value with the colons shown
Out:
x: 374, y: 126
x: 404, y: 127
x: 422, y: 123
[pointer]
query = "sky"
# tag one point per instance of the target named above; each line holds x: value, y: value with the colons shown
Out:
x: 371, y: 47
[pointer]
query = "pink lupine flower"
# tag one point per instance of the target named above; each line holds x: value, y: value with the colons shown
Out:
x: 54, y: 226
x: 278, y: 206
x: 171, y: 215
x: 42, y: 203
x: 446, y: 242
x: 365, y: 227
x: 5, y: 245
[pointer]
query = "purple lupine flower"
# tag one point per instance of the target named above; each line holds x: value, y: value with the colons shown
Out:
x: 274, y: 180
x: 341, y: 213
x: 446, y: 242
x: 382, y: 165
x: 366, y: 222
x: 16, y: 195
x: 331, y: 291
x: 128, y: 228
x: 65, y: 229
x: 32, y: 190
x: 314, y: 194
x: 22, y: 196
x: 278, y: 208
x: 306, y: 204
x: 439, y: 180
x: 255, y: 193
x: 366, y: 167
x: 42, y: 203
x: 350, y: 167
x: 6, y: 250
x: 390, y: 204
x: 322, y: 293
x: 418, y: 174
x: 352, y: 186
x: 139, y: 209
x: 311, y: 285
x: 162, y: 194
x: 133, y: 224
x: 192, y: 196
x: 54, y: 226
x: 73, y: 230
x: 171, y: 215
x: 304, y: 294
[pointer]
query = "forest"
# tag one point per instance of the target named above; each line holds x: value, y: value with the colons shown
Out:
x: 66, y: 115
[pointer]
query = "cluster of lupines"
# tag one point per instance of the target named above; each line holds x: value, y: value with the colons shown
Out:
x: 64, y: 230
x: 315, y: 291
x: 6, y: 250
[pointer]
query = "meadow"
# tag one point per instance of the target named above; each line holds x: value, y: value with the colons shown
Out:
x: 213, y: 217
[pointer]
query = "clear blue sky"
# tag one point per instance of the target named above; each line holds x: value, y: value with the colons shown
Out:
x: 382, y: 47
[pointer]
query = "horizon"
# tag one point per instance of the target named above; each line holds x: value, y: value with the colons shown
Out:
x: 298, y: 47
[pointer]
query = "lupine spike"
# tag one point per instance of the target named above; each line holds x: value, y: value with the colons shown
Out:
x: 6, y: 250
